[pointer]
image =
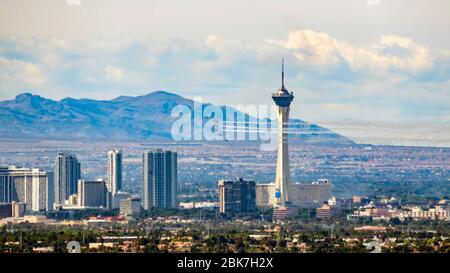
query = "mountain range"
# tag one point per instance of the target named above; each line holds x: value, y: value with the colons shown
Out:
x: 125, y: 117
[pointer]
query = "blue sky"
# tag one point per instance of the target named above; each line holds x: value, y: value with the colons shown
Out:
x: 345, y: 60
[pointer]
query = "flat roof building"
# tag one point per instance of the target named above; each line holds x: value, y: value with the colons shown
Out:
x: 33, y: 187
x: 310, y: 195
x: 67, y: 173
x: 327, y: 211
x: 160, y: 184
x: 116, y: 198
x: 92, y: 193
x: 114, y: 182
x: 265, y: 195
x: 237, y: 195
x: 300, y: 195
x: 130, y: 207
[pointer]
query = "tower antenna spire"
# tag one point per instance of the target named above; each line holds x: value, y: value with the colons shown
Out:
x: 282, y: 73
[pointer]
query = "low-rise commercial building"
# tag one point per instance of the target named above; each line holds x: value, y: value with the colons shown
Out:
x: 130, y: 207
x: 327, y: 211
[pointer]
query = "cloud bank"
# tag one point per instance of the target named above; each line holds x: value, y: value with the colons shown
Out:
x: 393, y: 78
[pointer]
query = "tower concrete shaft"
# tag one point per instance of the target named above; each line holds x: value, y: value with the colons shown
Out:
x: 283, y: 175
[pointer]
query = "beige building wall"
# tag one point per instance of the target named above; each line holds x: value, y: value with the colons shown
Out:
x: 300, y: 195
x: 310, y: 195
x: 265, y: 195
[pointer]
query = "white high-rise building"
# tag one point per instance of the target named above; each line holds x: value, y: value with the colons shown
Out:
x: 114, y: 183
x: 160, y: 179
x: 33, y: 187
x: 67, y: 173
x: 43, y: 190
x: 282, y: 98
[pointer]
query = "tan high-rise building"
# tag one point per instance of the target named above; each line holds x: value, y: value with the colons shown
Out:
x: 114, y: 183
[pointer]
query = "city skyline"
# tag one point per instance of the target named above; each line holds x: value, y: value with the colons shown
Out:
x: 170, y: 129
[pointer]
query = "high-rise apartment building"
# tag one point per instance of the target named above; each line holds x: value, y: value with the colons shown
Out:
x: 237, y: 195
x: 160, y: 179
x: 33, y: 187
x: 67, y: 173
x: 114, y: 183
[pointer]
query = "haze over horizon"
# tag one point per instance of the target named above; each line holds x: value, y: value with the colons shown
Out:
x: 374, y: 73
x: 362, y: 132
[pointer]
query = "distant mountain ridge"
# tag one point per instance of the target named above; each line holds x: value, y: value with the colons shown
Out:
x: 124, y: 117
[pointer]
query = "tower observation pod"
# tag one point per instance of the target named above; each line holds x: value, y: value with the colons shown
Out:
x: 282, y: 98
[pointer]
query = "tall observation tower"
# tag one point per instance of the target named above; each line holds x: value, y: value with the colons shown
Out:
x: 282, y: 98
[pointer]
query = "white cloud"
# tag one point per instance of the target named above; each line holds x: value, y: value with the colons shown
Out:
x: 391, y: 78
x: 60, y: 43
x: 312, y: 47
x: 226, y: 53
x: 152, y: 61
x: 322, y: 51
x: 16, y: 70
x: 33, y: 74
x: 113, y: 74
